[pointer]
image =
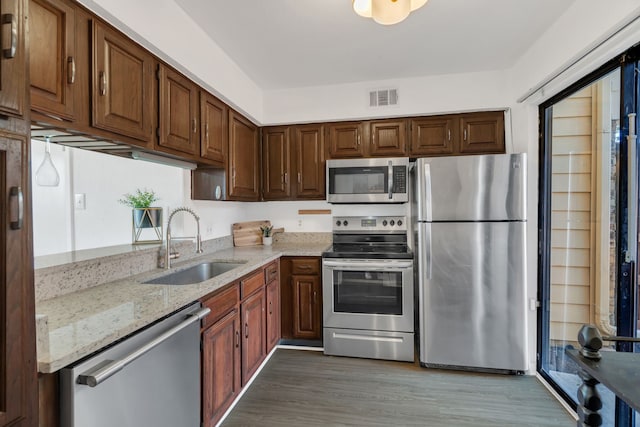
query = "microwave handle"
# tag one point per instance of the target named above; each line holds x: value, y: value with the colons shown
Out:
x: 390, y: 179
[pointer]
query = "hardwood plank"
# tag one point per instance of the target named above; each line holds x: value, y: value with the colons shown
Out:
x: 306, y: 388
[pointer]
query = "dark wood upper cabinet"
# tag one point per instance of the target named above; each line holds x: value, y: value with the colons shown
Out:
x: 432, y: 136
x: 309, y: 162
x: 346, y: 139
x: 13, y: 58
x: 276, y: 163
x: 214, y: 128
x: 388, y: 138
x: 123, y: 96
x: 179, y: 112
x: 18, y: 381
x: 52, y: 58
x: 482, y: 133
x: 244, y: 159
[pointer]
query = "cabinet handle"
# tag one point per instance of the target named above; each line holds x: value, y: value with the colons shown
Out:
x: 10, y: 18
x: 304, y: 266
x: 358, y: 139
x: 449, y: 134
x: 315, y: 297
x: 299, y: 178
x: 233, y: 175
x: 373, y: 139
x: 193, y: 125
x: 237, y: 339
x: 71, y: 70
x: 103, y: 83
x: 246, y: 330
x: 17, y: 193
x: 206, y: 131
x: 465, y: 134
x: 270, y: 308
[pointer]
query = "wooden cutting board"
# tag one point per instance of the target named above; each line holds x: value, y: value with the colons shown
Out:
x: 248, y: 233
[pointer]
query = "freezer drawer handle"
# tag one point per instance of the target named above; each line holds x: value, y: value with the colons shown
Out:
x: 101, y: 372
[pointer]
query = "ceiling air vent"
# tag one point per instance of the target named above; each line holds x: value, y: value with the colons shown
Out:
x: 383, y: 97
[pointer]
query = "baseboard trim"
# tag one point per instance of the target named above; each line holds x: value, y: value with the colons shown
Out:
x: 559, y: 398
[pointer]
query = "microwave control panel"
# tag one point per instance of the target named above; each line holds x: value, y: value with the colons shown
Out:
x: 399, y: 179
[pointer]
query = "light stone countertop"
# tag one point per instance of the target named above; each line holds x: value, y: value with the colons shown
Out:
x: 72, y: 326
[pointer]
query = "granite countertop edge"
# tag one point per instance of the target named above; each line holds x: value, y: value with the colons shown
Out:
x: 76, y: 325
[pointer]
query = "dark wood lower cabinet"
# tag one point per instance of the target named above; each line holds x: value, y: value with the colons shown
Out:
x: 253, y: 334
x: 307, y: 303
x: 301, y: 298
x: 273, y: 314
x: 220, y: 367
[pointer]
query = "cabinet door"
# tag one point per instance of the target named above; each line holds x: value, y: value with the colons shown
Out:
x: 310, y: 162
x: 52, y: 59
x: 220, y: 367
x: 244, y: 159
x: 18, y: 383
x: 388, y: 138
x: 482, y: 133
x: 346, y: 140
x: 12, y: 58
x: 253, y: 334
x: 276, y: 163
x: 123, y: 98
x: 214, y: 119
x: 432, y: 136
x: 179, y: 112
x: 273, y: 314
x: 307, y: 307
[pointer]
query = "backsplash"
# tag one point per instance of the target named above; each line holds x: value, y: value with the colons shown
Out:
x: 66, y: 273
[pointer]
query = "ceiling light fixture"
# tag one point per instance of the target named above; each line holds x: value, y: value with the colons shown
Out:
x: 386, y: 12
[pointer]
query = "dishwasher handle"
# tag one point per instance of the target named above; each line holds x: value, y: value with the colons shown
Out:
x: 108, y: 368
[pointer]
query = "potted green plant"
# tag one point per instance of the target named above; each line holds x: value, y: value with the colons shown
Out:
x: 144, y: 215
x: 267, y: 239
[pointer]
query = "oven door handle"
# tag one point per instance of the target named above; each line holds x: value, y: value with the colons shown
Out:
x: 390, y: 179
x: 369, y: 265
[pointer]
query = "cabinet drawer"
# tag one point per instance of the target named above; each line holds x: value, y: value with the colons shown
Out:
x: 271, y: 272
x: 221, y: 304
x: 251, y: 284
x: 305, y: 266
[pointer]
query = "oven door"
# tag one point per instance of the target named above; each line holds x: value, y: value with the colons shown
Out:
x: 368, y: 294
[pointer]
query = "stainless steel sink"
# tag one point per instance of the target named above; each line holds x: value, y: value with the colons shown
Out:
x: 196, y: 274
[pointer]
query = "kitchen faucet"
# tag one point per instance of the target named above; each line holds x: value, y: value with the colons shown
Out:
x: 172, y: 255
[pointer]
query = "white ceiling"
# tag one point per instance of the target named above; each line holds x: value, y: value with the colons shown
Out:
x: 297, y: 43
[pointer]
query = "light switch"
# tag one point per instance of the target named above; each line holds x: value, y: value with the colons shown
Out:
x: 81, y: 201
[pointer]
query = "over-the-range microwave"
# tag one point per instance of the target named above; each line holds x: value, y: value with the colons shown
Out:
x: 382, y: 180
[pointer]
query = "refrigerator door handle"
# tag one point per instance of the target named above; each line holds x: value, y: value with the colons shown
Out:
x: 390, y: 179
x: 427, y: 192
x: 425, y: 247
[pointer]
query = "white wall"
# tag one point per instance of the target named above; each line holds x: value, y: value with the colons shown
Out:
x: 416, y: 96
x: 103, y: 179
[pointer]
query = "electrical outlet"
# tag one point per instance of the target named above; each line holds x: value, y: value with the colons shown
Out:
x: 80, y: 201
x: 300, y: 222
x: 209, y: 229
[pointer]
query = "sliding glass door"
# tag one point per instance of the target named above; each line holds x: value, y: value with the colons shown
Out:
x: 588, y: 224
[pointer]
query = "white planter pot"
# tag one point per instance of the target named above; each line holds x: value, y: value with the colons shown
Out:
x: 267, y: 241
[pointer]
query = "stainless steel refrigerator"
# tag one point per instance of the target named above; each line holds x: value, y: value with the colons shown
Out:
x: 470, y: 221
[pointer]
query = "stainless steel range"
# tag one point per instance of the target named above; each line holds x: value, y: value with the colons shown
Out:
x: 367, y: 283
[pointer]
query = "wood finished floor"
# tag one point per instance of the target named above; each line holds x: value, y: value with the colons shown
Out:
x: 307, y: 388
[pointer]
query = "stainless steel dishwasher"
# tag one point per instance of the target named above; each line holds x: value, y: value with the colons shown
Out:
x: 149, y: 379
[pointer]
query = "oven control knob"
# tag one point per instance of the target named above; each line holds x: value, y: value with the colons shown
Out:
x: 384, y: 222
x: 392, y: 223
x: 338, y: 223
x: 399, y: 222
x: 345, y: 222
